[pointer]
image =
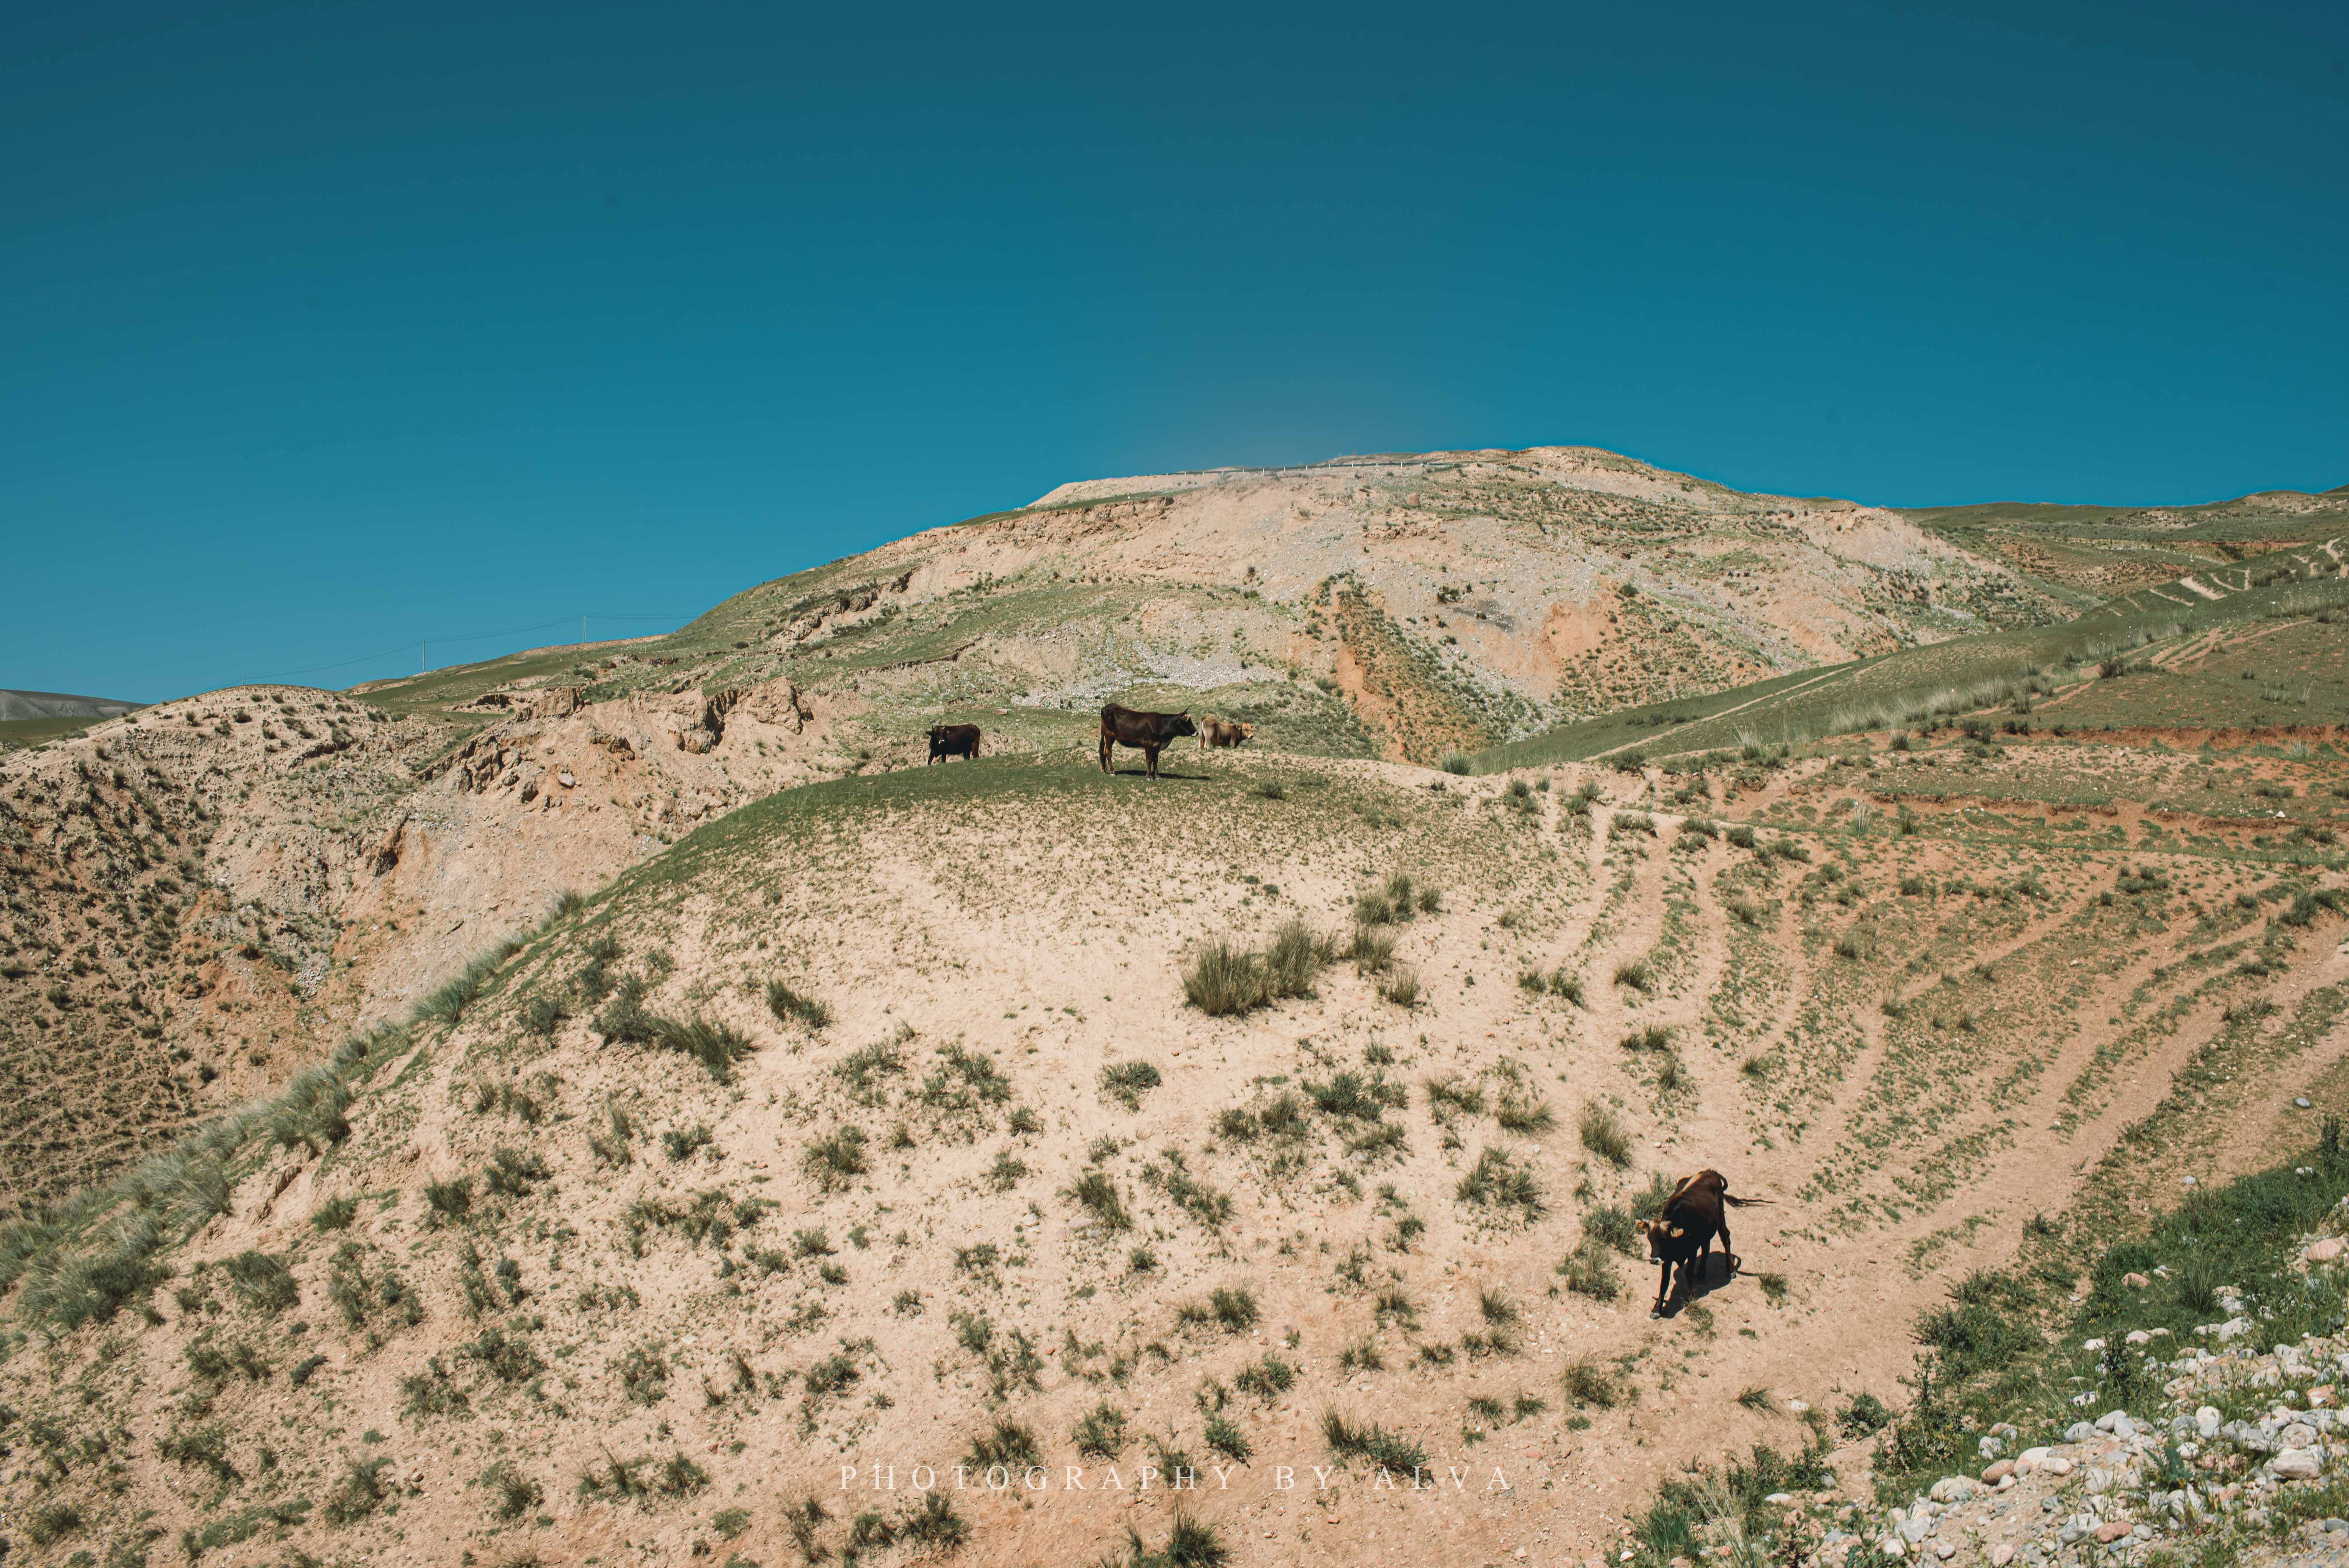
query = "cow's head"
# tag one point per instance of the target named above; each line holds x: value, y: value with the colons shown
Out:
x: 1659, y: 1236
x: 1183, y: 725
x: 1247, y: 730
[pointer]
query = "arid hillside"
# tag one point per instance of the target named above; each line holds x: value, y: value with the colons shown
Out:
x: 202, y: 891
x: 921, y: 1120
x: 620, y: 1102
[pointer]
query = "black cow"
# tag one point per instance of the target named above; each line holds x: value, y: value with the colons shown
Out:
x: 1681, y: 1234
x: 1149, y: 733
x: 953, y: 740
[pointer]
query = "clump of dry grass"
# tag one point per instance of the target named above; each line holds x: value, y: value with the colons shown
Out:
x: 1224, y: 981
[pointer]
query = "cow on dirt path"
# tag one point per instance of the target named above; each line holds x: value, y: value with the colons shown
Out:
x: 1148, y: 733
x: 1681, y: 1233
x: 953, y: 740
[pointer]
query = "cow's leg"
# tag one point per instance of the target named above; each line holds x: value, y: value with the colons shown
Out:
x: 1663, y: 1289
x: 1106, y: 744
x: 1150, y: 760
x: 1726, y: 1250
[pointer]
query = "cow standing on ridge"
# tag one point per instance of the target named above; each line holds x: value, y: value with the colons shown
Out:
x: 1148, y: 733
x: 953, y: 740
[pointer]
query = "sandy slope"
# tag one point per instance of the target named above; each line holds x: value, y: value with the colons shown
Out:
x: 1039, y: 915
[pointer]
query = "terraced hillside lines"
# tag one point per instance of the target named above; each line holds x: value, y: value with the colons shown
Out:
x: 870, y: 1118
x: 2098, y: 551
x: 2121, y: 674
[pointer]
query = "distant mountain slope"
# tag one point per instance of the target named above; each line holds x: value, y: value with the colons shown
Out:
x: 23, y: 705
x: 1447, y: 599
x: 2098, y: 551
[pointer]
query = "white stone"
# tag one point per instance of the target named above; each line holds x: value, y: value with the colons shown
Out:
x: 2297, y: 1464
x: 2206, y: 1421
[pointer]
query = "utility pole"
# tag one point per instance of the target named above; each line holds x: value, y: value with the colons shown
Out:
x: 582, y: 627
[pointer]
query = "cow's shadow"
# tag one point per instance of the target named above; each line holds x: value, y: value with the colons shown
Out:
x: 1164, y: 772
x: 1718, y: 1270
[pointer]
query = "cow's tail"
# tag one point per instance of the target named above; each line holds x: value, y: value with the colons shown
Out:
x: 1745, y: 1203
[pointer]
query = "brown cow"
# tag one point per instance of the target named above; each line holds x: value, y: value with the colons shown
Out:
x: 1681, y: 1233
x: 1224, y: 732
x: 1148, y: 733
x: 953, y: 741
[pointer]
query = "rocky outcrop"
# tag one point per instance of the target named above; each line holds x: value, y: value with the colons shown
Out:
x: 387, y: 847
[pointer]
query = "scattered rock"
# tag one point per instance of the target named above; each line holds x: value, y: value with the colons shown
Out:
x: 2297, y: 1464
x: 2135, y: 1280
x: 2325, y: 1251
x: 1999, y: 1471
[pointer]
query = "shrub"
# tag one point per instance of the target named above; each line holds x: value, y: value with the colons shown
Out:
x: 1602, y: 1133
x: 1634, y: 973
x: 1372, y: 949
x: 447, y: 1199
x: 1095, y: 1193
x: 262, y: 1281
x: 1388, y: 1451
x: 540, y: 1015
x: 1127, y: 1082
x: 1863, y: 1416
x: 1497, y: 1182
x: 1235, y: 1309
x: 1590, y: 1271
x: 863, y: 1068
x: 310, y: 1112
x: 1266, y: 1379
x: 1587, y: 1382
x: 1348, y: 1096
x: 448, y: 1004
x: 837, y: 1161
x: 334, y: 1213
x: 357, y: 1494
x: 1611, y: 1224
x: 934, y: 1523
x: 1455, y: 763
x: 787, y: 1005
x: 1401, y: 986
x: 1005, y: 1443
x: 1100, y: 1435
x: 1448, y: 1097
x: 1224, y: 981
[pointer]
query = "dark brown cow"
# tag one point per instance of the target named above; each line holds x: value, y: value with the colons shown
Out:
x: 1148, y: 733
x: 953, y: 740
x: 1681, y: 1234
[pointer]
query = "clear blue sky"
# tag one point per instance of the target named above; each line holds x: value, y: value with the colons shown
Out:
x: 323, y: 328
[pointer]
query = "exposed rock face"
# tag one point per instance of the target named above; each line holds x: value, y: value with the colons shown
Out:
x: 387, y: 847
